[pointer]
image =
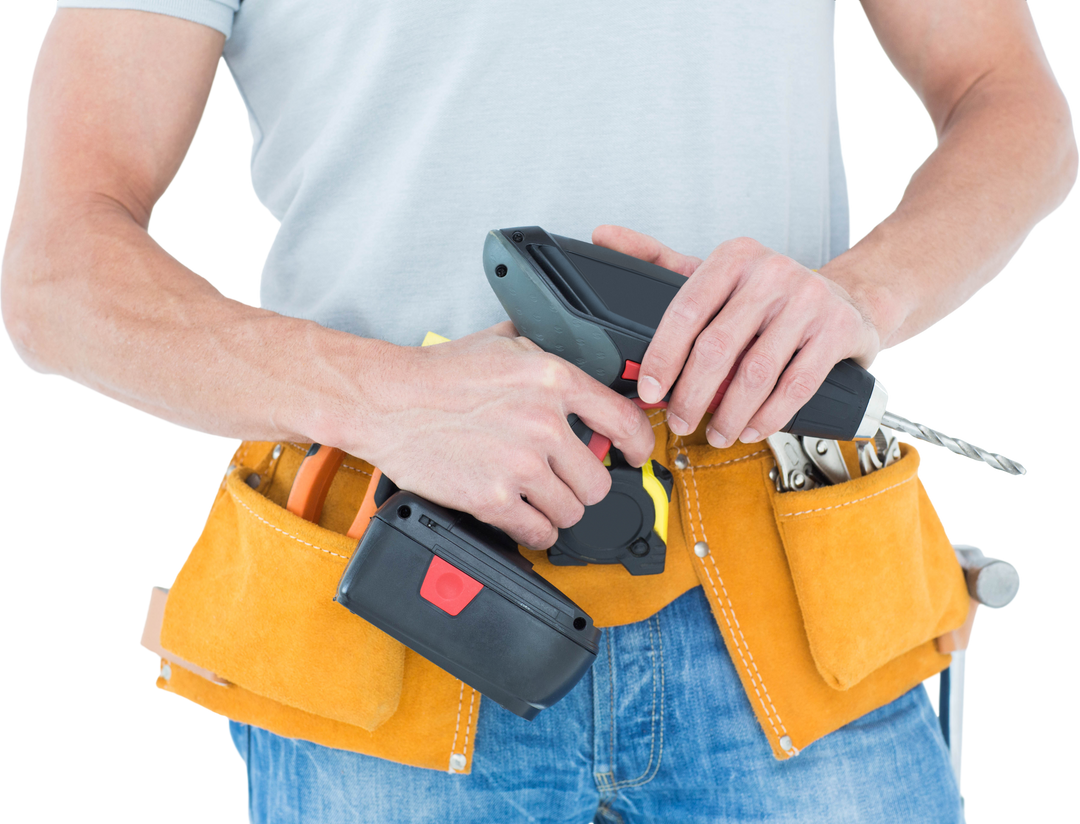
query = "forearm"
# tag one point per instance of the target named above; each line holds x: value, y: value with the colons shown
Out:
x: 89, y: 295
x: 1006, y: 158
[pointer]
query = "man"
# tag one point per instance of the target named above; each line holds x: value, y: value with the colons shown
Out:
x: 389, y: 139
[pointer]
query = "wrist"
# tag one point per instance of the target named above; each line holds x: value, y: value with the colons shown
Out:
x: 880, y: 300
x: 343, y: 391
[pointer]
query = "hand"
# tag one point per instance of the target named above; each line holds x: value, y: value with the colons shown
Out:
x: 797, y: 324
x: 479, y: 424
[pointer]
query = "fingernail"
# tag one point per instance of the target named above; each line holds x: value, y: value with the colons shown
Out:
x: 677, y: 424
x: 750, y: 435
x: 716, y: 439
x: 648, y: 389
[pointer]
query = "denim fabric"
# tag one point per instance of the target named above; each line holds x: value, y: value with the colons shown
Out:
x: 658, y: 731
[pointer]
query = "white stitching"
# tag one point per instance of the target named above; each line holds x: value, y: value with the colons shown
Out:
x: 457, y: 724
x: 731, y: 607
x: 468, y: 722
x: 355, y: 469
x: 733, y: 460
x: 305, y: 450
x: 848, y: 503
x: 283, y: 532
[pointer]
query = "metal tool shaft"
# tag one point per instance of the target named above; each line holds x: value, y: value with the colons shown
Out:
x: 918, y: 430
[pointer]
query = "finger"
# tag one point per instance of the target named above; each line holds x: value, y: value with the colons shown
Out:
x: 609, y: 413
x: 526, y: 525
x: 619, y: 419
x: 825, y: 341
x: 644, y: 247
x: 577, y: 467
x: 693, y: 307
x: 554, y: 499
x: 800, y: 380
x: 756, y: 377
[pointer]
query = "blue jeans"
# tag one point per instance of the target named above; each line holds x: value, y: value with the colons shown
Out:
x: 659, y: 730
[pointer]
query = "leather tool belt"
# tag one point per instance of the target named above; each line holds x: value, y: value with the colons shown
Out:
x: 829, y: 602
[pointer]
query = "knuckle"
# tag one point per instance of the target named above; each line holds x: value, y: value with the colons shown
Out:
x: 569, y: 514
x: 758, y: 371
x: 801, y: 385
x: 688, y: 310
x: 778, y: 267
x: 629, y: 420
x: 815, y: 290
x: 713, y: 346
x: 598, y: 489
x: 743, y: 247
x: 495, y: 507
x: 539, y: 536
x: 555, y: 373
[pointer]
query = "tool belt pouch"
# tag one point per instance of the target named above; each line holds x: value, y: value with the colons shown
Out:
x: 254, y: 604
x: 829, y: 600
x: 874, y: 572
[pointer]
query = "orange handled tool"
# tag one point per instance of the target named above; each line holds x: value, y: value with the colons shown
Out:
x: 312, y: 483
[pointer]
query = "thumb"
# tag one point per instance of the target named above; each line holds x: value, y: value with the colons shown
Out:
x: 644, y: 247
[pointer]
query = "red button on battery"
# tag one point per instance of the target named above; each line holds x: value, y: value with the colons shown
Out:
x: 447, y: 587
x: 631, y: 371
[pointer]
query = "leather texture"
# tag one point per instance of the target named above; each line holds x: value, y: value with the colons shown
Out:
x: 828, y: 600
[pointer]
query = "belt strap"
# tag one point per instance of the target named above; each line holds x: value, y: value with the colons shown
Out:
x: 151, y: 637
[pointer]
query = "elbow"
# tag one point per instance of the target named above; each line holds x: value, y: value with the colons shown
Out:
x: 17, y: 303
x: 1064, y: 168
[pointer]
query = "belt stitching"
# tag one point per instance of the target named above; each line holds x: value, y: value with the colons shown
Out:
x: 283, y: 532
x: 468, y: 721
x: 846, y: 503
x: 730, y: 607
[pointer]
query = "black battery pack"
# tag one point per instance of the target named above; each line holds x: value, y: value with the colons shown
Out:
x: 459, y: 593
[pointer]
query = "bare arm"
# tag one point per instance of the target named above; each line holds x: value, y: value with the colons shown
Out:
x: 1006, y: 158
x: 88, y: 294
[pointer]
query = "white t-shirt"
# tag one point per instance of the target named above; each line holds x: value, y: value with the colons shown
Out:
x: 391, y: 135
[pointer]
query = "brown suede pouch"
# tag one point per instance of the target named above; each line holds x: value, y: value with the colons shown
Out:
x: 873, y: 570
x: 829, y: 600
x: 254, y: 604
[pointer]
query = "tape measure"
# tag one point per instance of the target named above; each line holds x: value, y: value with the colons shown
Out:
x: 628, y: 527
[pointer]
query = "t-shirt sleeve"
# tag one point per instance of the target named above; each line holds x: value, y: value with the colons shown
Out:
x: 217, y: 14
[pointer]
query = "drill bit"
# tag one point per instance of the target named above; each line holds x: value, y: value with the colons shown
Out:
x: 918, y: 430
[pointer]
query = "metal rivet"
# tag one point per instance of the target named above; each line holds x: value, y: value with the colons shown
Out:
x: 681, y: 461
x: 457, y: 761
x: 230, y: 469
x: 277, y: 451
x: 253, y: 480
x: 785, y: 743
x: 701, y: 549
x: 166, y: 671
x: 822, y: 447
x: 798, y: 480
